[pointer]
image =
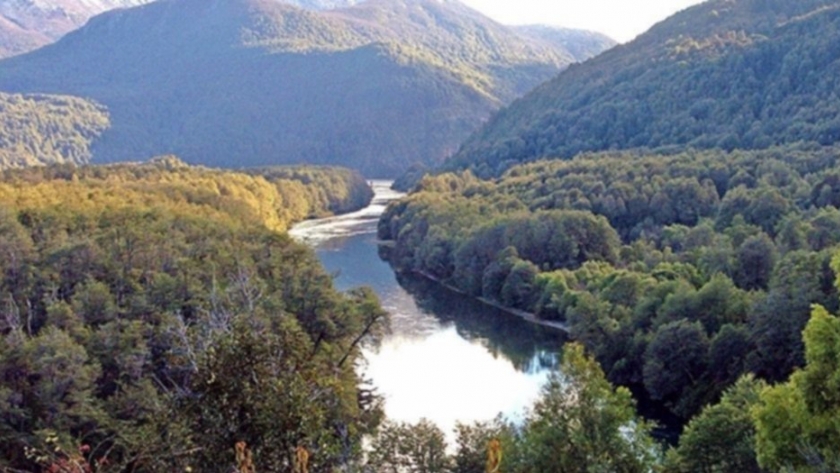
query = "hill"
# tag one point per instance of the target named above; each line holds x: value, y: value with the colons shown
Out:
x: 29, y: 24
x: 44, y: 129
x: 723, y: 74
x: 376, y: 86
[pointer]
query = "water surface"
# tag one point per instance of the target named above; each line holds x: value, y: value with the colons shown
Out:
x: 448, y: 358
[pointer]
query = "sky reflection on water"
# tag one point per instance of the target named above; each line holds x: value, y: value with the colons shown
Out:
x: 448, y: 358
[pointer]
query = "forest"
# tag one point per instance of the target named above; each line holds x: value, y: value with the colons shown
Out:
x: 581, y: 423
x: 153, y: 316
x: 746, y: 74
x: 689, y: 277
x: 48, y: 129
x: 674, y: 203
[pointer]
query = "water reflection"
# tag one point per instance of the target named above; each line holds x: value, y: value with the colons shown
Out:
x: 531, y: 348
x: 449, y: 358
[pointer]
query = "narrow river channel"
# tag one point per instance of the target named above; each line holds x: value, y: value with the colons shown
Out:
x: 448, y: 358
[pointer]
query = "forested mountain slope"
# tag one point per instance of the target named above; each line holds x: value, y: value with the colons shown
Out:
x: 723, y: 74
x: 28, y: 24
x: 44, y: 129
x: 375, y: 86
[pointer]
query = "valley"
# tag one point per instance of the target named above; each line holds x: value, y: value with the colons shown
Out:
x: 377, y: 86
x: 401, y: 236
x: 502, y: 361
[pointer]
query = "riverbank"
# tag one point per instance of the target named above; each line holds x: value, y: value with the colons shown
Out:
x: 448, y: 358
x: 528, y: 316
x: 317, y: 230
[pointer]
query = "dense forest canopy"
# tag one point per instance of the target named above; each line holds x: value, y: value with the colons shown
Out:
x: 681, y: 274
x: 719, y: 253
x: 48, y: 129
x: 153, y: 316
x: 273, y: 198
x: 747, y: 74
x: 375, y: 86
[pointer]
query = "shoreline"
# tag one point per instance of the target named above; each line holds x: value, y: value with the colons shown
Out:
x: 527, y: 316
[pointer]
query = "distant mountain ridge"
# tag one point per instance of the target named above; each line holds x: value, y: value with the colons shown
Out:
x: 322, y: 4
x: 376, y: 86
x: 723, y: 74
x: 28, y: 24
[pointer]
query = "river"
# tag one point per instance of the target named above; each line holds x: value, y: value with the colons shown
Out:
x: 448, y: 358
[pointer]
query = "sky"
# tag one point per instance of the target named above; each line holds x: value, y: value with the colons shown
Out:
x: 622, y: 20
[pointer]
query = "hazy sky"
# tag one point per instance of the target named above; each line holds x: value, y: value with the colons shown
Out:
x: 623, y: 20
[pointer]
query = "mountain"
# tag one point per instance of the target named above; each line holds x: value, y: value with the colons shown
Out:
x: 29, y: 24
x: 723, y: 74
x: 581, y: 44
x: 376, y: 86
x: 321, y: 4
x: 26, y: 25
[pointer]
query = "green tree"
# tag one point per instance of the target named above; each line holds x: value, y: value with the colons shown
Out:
x: 755, y: 260
x: 583, y: 424
x: 767, y: 209
x: 825, y: 229
x: 265, y: 388
x: 778, y: 318
x: 519, y: 290
x: 675, y: 362
x: 721, y: 439
x: 48, y: 386
x: 95, y: 303
x: 797, y: 422
x: 728, y: 354
x: 493, y: 279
